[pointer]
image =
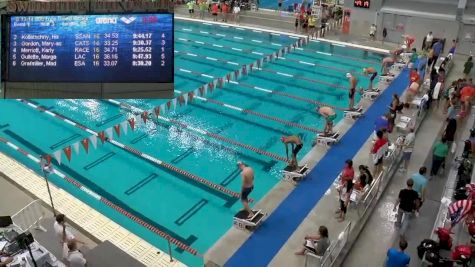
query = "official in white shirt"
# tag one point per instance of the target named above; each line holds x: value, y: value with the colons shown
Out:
x: 429, y: 39
x: 62, y: 232
x: 72, y: 256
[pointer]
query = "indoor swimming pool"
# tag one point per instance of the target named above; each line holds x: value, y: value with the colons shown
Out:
x: 244, y: 121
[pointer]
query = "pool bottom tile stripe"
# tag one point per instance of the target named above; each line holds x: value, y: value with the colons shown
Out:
x: 134, y: 218
x: 99, y: 161
x: 192, y: 211
x: 141, y: 184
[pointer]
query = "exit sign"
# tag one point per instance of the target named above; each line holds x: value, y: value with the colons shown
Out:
x: 362, y: 3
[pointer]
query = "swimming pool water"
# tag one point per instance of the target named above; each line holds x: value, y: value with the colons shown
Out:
x: 192, y: 213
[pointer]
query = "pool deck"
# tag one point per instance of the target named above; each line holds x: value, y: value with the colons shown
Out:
x: 86, y: 218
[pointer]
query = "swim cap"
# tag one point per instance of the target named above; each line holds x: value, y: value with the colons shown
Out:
x: 239, y: 163
x: 364, y: 69
x: 348, y: 75
x: 403, y: 46
x: 282, y: 139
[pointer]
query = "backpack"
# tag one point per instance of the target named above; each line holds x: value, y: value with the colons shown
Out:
x: 427, y: 245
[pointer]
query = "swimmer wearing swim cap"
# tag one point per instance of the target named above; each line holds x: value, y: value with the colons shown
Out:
x: 296, y: 144
x: 351, y: 94
x: 370, y: 71
x: 247, y: 175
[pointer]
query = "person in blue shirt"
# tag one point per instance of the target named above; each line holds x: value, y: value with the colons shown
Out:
x: 437, y: 47
x: 397, y: 258
x: 420, y: 184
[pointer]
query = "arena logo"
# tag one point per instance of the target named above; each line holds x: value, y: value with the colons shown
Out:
x: 106, y: 20
x: 127, y: 20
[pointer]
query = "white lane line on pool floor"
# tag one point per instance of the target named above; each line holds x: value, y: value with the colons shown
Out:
x: 237, y: 49
x: 284, y: 74
x: 241, y: 29
x: 185, y: 29
x: 190, y: 54
x: 223, y: 26
x: 306, y: 63
x: 258, y: 53
x: 212, y: 58
x: 204, y: 32
x: 323, y: 53
x: 207, y: 76
x: 215, y: 45
x: 256, y: 41
x: 220, y: 34
x: 256, y: 31
x: 232, y: 63
x: 183, y: 39
x: 209, y: 24
x: 200, y: 42
x: 188, y: 71
x: 276, y: 44
x: 239, y: 38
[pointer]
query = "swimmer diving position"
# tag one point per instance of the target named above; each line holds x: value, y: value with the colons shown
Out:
x: 370, y: 71
x: 297, y: 144
x: 329, y: 114
x: 351, y: 94
x: 247, y: 175
x: 388, y: 61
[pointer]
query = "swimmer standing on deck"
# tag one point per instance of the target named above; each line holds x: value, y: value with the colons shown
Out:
x: 247, y: 174
x: 329, y: 114
x: 297, y: 144
x: 370, y: 71
x: 353, y: 82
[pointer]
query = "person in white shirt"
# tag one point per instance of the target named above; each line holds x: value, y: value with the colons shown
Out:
x: 236, y: 11
x: 372, y: 32
x: 429, y: 39
x: 62, y: 231
x: 72, y: 256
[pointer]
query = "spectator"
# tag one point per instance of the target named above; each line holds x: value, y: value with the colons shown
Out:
x: 452, y: 49
x: 429, y: 39
x: 439, y: 151
x: 420, y: 184
x: 385, y: 33
x: 348, y: 173
x: 467, y: 67
x: 382, y: 122
x: 438, y: 47
x: 364, y: 179
x: 408, y: 203
x: 236, y: 12
x: 191, y: 8
x: 397, y: 258
x: 407, y: 147
x: 317, y: 244
x: 5, y: 259
x: 203, y: 7
x: 378, y: 151
x: 72, y: 256
x: 472, y: 141
x: 345, y: 193
x: 215, y: 11
x: 448, y: 95
x: 224, y: 11
x: 372, y: 32
x: 449, y: 133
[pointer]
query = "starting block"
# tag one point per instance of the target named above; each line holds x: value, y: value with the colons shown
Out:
x: 371, y: 95
x: 353, y: 114
x: 295, y: 175
x: 327, y: 140
x: 240, y: 220
x: 396, y: 68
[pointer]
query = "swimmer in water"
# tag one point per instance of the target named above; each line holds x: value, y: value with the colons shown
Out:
x: 370, y: 71
x: 329, y: 114
x: 351, y: 94
x: 247, y: 175
x: 297, y: 144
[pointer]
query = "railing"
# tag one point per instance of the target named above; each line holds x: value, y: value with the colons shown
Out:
x: 330, y: 257
x: 30, y: 216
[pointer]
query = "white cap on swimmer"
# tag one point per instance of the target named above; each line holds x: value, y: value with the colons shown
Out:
x: 348, y: 75
x: 364, y: 69
x: 403, y: 46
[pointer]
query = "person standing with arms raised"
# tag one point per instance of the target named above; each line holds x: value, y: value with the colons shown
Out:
x: 247, y: 175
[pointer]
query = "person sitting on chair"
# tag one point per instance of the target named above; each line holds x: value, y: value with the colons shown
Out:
x: 317, y: 244
x: 297, y: 144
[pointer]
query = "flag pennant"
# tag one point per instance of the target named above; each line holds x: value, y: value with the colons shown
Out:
x: 117, y: 129
x: 145, y: 116
x: 293, y: 45
x: 67, y: 151
x: 93, y: 140
x: 220, y: 82
x: 191, y: 95
x: 169, y: 104
x: 76, y: 147
x: 132, y: 123
x: 124, y: 127
x: 244, y: 70
x: 102, y: 136
x: 57, y: 156
x: 271, y: 56
x: 202, y: 90
x: 211, y: 86
x: 215, y: 83
x: 228, y: 77
x: 258, y: 63
x: 156, y: 110
x: 85, y: 144
x: 110, y: 133
x: 174, y: 103
x: 251, y: 66
x: 280, y: 53
x: 206, y: 89
x: 138, y: 119
x: 48, y: 159
x: 162, y: 108
x: 236, y: 74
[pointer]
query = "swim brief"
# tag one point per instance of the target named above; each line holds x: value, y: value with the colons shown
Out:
x: 245, y: 192
x: 297, y: 149
x: 373, y: 76
x: 352, y: 93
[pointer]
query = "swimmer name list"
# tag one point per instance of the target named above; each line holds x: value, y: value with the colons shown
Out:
x: 35, y: 50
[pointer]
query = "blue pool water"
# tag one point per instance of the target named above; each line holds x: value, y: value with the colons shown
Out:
x: 196, y: 215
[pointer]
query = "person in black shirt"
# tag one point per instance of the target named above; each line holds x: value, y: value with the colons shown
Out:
x: 408, y: 202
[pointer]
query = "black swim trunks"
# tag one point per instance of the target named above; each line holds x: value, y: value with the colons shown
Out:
x: 245, y: 192
x: 351, y: 95
x: 297, y: 149
x: 373, y: 76
x: 280, y: 4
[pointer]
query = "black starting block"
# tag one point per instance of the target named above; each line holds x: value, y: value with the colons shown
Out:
x: 354, y: 113
x: 327, y: 140
x: 294, y: 175
x: 240, y: 220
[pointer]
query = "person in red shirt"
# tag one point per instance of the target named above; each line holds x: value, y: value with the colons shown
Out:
x: 215, y: 11
x: 225, y: 11
x: 348, y: 173
x: 379, y: 149
x: 414, y: 77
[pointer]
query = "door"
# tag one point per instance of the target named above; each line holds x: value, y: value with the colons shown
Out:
x: 466, y: 40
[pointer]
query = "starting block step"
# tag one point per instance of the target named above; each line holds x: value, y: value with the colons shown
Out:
x: 386, y: 78
x: 370, y: 95
x: 241, y: 220
x: 293, y: 175
x: 353, y: 114
x: 327, y: 140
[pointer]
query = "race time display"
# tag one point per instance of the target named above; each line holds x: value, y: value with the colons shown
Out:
x: 119, y: 48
